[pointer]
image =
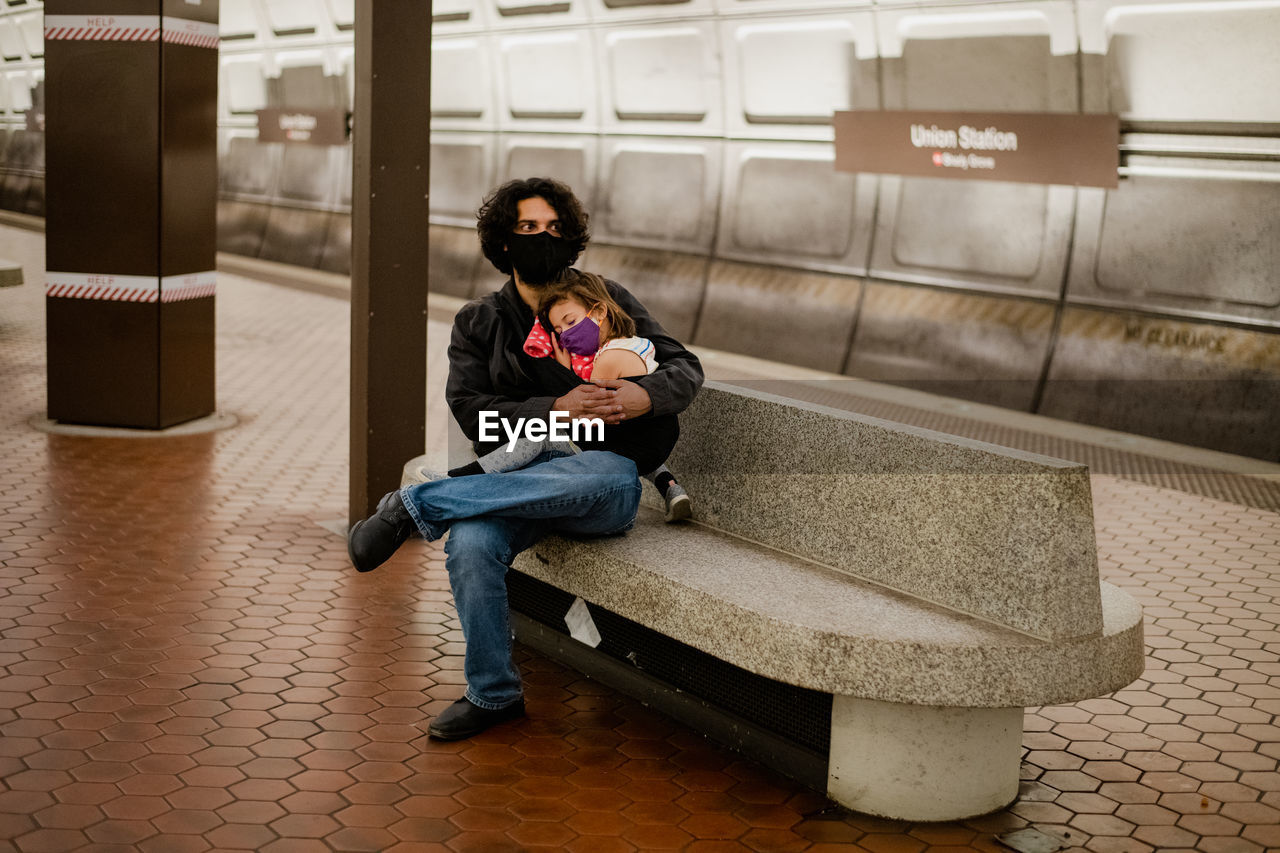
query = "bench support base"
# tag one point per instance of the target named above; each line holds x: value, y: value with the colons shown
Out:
x: 807, y: 767
x: 911, y: 762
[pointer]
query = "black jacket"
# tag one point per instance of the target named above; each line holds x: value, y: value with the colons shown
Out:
x: 489, y: 371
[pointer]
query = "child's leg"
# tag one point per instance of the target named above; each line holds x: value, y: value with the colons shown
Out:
x: 661, y: 477
x: 675, y: 498
x: 520, y: 455
x: 512, y: 457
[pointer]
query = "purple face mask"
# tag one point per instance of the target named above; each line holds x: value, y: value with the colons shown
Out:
x: 582, y: 338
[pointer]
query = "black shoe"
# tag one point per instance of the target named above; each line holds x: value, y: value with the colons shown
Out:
x: 371, y: 542
x: 462, y: 719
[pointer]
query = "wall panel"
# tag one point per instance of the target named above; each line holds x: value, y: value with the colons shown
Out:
x: 247, y: 177
x: 781, y: 314
x: 457, y: 16
x: 238, y: 21
x: 298, y: 223
x: 336, y: 256
x: 293, y: 17
x: 669, y: 284
x: 456, y: 265
x: 247, y: 167
x: 519, y: 14
x: 661, y: 79
x: 606, y: 11
x: 461, y: 173
x: 1182, y: 63
x: 569, y: 158
x: 986, y: 235
x: 462, y: 90
x: 1193, y: 228
x: 32, y: 28
x: 244, y: 85
x: 17, y: 176
x: 20, y: 84
x: 784, y: 203
x: 11, y: 40
x: 304, y: 83
x: 1193, y: 383
x: 342, y: 13
x: 1198, y: 238
x: 345, y: 58
x: 549, y: 82
x: 309, y: 174
x: 727, y: 8
x: 35, y: 200
x: 975, y: 347
x: 659, y: 193
x: 785, y: 77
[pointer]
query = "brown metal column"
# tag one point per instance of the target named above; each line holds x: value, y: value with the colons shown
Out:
x: 131, y: 120
x: 391, y: 144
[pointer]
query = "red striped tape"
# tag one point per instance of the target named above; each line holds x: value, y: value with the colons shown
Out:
x: 129, y: 288
x: 117, y: 34
x: 145, y: 28
x: 193, y: 39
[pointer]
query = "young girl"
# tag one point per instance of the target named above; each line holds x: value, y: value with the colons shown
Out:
x: 590, y: 325
x: 593, y: 337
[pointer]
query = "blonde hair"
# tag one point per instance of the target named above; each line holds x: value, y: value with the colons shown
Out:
x: 589, y: 290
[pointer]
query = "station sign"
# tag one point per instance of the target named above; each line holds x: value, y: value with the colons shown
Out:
x: 311, y: 126
x: 1038, y: 148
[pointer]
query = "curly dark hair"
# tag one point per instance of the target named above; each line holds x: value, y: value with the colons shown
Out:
x: 497, y: 216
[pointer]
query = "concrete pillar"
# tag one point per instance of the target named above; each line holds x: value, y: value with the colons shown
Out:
x: 912, y: 762
x: 131, y: 120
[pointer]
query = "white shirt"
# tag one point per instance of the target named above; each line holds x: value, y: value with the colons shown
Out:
x: 642, y: 347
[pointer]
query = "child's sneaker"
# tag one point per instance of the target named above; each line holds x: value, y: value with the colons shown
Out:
x: 679, y: 507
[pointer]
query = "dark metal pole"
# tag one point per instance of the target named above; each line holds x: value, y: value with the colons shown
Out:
x: 391, y: 150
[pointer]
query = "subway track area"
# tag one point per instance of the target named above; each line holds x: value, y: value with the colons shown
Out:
x: 189, y: 663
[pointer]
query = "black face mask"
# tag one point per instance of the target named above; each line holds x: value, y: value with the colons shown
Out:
x: 539, y: 258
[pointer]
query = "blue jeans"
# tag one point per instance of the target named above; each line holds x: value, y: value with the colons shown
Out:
x: 493, y: 517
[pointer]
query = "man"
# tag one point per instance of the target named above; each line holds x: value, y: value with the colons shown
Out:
x: 533, y: 230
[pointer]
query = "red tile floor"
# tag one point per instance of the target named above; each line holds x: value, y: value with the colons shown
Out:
x: 188, y: 663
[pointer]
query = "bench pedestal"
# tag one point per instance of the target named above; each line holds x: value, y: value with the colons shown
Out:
x: 912, y: 762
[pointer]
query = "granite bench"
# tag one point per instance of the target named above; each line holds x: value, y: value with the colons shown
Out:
x: 934, y: 586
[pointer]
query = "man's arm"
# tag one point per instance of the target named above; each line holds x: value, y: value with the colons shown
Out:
x: 469, y: 389
x: 672, y: 387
